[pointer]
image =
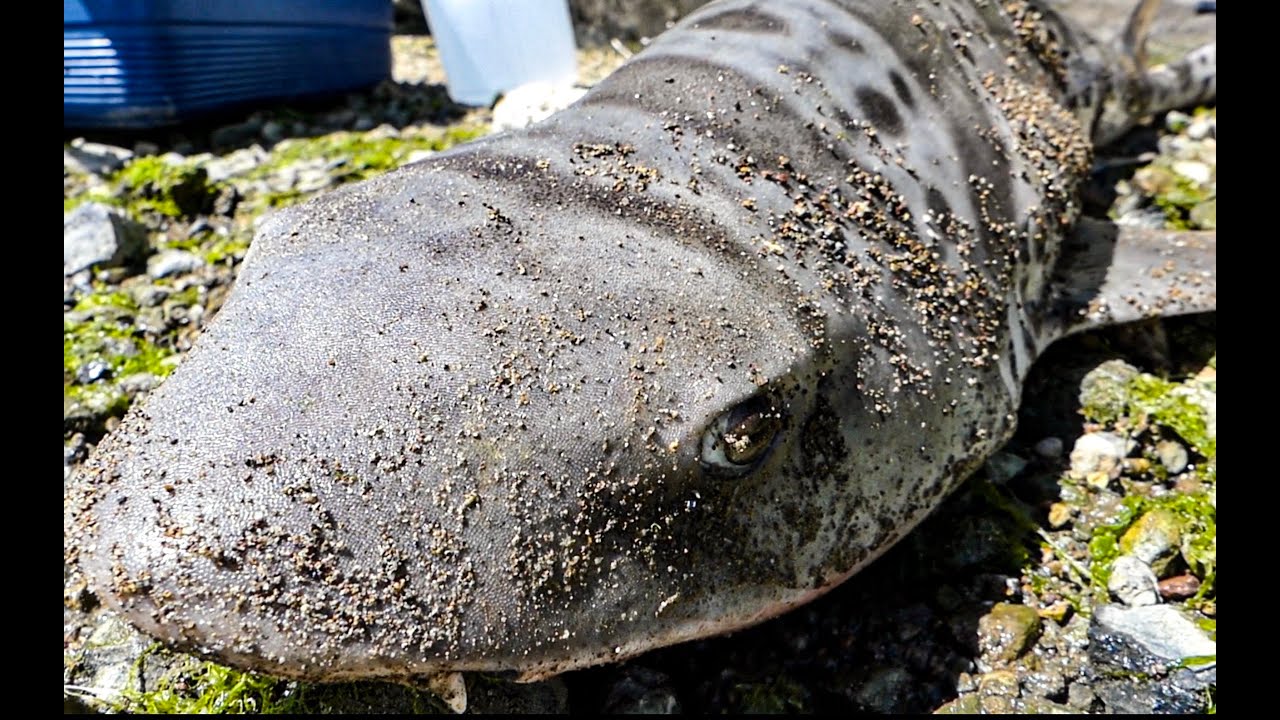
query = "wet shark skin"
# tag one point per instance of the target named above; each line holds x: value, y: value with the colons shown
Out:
x: 452, y: 418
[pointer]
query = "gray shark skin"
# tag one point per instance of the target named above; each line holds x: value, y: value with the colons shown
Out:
x: 680, y: 358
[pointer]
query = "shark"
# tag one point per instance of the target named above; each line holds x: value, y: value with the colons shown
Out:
x: 678, y: 359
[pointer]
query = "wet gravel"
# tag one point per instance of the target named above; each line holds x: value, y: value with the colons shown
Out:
x: 995, y: 604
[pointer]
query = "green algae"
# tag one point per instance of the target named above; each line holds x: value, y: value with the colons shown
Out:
x: 99, y: 331
x: 208, y: 688
x: 780, y: 694
x: 1197, y: 519
x: 355, y: 156
x: 152, y: 184
x: 1145, y: 398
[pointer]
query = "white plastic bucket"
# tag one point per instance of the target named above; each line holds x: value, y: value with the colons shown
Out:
x: 491, y: 46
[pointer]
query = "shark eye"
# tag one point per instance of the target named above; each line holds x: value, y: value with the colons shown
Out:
x: 736, y: 442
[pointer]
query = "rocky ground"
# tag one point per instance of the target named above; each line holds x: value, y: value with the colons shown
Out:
x: 1076, y: 572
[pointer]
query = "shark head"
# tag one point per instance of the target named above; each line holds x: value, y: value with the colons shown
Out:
x: 405, y: 448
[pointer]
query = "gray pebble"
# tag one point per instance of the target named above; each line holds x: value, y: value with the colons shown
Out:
x: 1003, y: 467
x: 138, y: 383
x: 1049, y: 448
x: 642, y: 691
x: 95, y: 158
x: 95, y: 234
x: 884, y: 689
x: 236, y: 134
x: 312, y: 179
x: 1202, y: 129
x: 1132, y: 582
x: 1172, y: 455
x: 1160, y: 630
x: 240, y: 162
x: 1176, y: 121
x: 173, y: 262
x: 92, y: 371
x: 273, y: 131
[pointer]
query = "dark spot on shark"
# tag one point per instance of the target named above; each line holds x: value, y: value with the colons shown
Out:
x: 937, y: 204
x: 880, y: 110
x: 845, y: 41
x: 748, y: 19
x: 903, y: 91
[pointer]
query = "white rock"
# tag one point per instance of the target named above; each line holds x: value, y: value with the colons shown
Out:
x: 1161, y: 629
x: 1197, y: 172
x: 172, y: 262
x: 532, y: 102
x: 1099, y: 452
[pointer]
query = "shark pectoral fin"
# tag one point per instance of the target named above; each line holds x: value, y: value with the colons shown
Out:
x: 450, y: 687
x: 1109, y: 274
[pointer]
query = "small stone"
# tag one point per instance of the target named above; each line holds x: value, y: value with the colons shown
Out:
x: 1099, y: 452
x: 1172, y: 455
x: 313, y: 179
x: 274, y: 131
x: 1196, y: 172
x: 1044, y: 683
x: 385, y: 131
x: 1079, y: 697
x: 997, y: 691
x: 963, y: 705
x: 340, y: 119
x: 1003, y: 467
x: 1179, y: 587
x: 884, y: 688
x: 1007, y: 631
x: 143, y: 148
x: 199, y: 227
x: 172, y: 262
x: 642, y: 691
x: 95, y: 234
x: 236, y: 134
x: 1176, y: 121
x: 1154, y: 538
x: 1188, y: 485
x: 95, y: 158
x: 147, y: 295
x: 1202, y: 128
x: 93, y: 371
x: 532, y: 102
x: 1056, y: 612
x: 1132, y: 582
x: 1049, y: 448
x: 234, y: 164
x: 139, y: 383
x: 1100, y: 480
x: 1060, y: 513
x: 1204, y: 215
x: 1104, y: 390
x: 363, y: 122
x: 1136, y: 466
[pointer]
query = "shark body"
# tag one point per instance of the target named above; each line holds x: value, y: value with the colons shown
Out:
x: 678, y: 359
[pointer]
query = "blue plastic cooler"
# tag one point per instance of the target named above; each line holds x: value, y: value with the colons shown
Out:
x: 146, y: 63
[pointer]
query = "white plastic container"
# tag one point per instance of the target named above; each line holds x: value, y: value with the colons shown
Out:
x: 491, y: 46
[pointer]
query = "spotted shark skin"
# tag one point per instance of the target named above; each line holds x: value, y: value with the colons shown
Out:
x: 682, y: 357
